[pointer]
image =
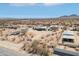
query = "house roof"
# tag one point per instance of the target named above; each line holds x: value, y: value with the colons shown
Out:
x: 69, y: 34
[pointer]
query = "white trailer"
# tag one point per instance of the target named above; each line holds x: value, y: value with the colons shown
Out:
x: 69, y: 38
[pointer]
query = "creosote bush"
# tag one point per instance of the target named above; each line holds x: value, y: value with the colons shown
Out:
x: 37, y: 48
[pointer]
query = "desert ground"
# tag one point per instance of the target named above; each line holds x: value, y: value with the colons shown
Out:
x: 38, y: 37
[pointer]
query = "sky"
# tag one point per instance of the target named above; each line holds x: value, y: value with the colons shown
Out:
x: 39, y: 10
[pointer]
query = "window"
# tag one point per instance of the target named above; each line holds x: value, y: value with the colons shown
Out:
x: 68, y: 34
x: 40, y: 29
x: 68, y: 40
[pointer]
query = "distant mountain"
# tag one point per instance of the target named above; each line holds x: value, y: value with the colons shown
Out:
x: 69, y: 17
x: 65, y: 17
x: 72, y: 15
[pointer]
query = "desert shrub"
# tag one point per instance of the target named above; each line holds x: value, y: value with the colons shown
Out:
x: 45, y: 50
x: 42, y: 49
x: 2, y: 39
x: 34, y: 46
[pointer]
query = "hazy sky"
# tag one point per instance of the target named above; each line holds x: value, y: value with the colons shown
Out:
x: 38, y: 10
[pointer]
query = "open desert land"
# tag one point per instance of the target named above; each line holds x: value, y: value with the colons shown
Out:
x: 46, y: 37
